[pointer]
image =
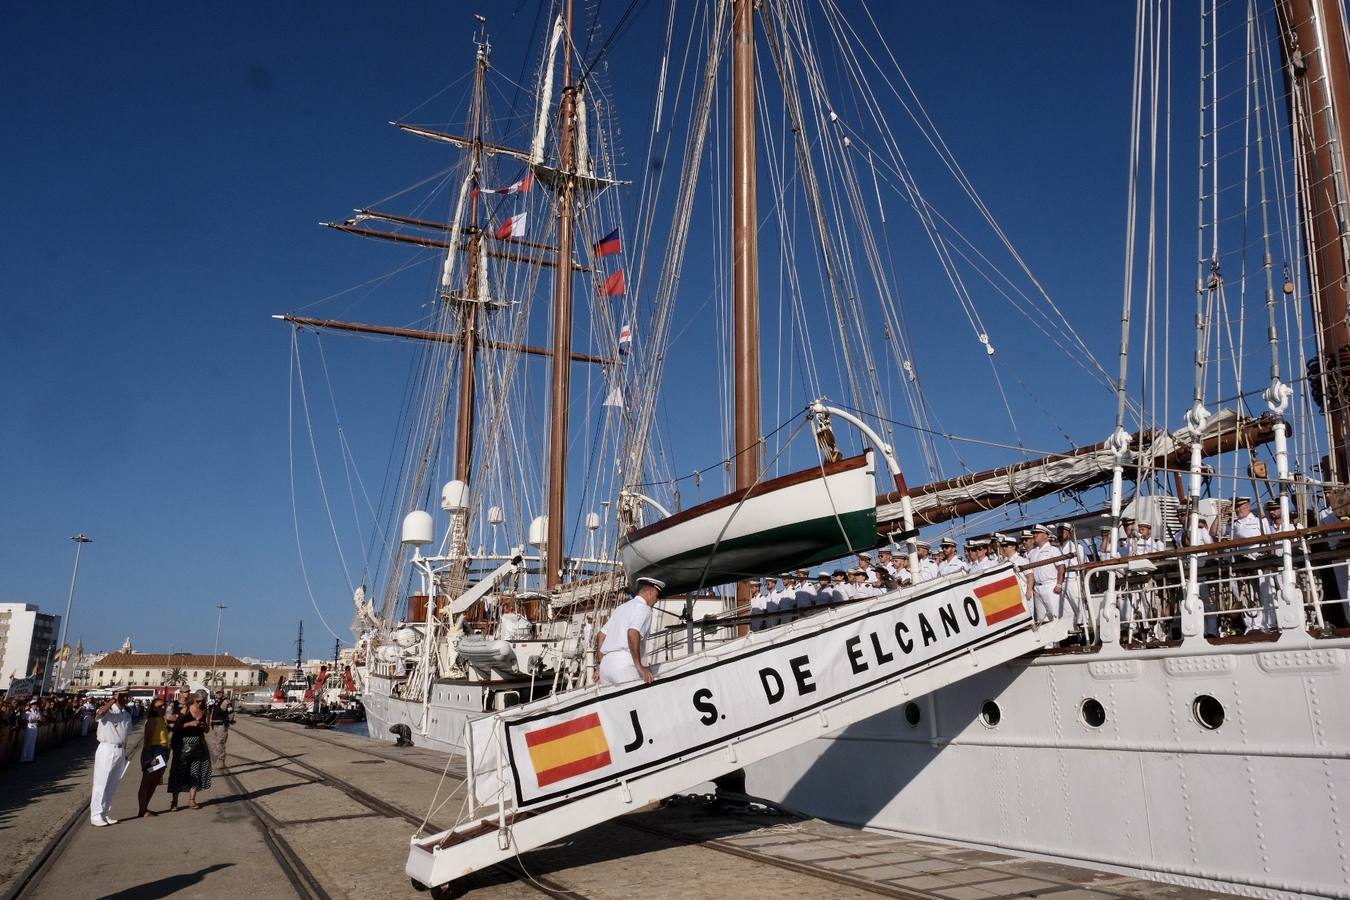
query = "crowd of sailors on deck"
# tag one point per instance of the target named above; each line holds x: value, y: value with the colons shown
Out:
x: 1047, y: 557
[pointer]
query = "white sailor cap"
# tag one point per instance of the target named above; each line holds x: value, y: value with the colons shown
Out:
x: 924, y: 544
x: 1064, y: 525
x: 1008, y: 541
x: 947, y: 542
x: 820, y: 575
x: 1144, y: 523
x: 654, y: 582
x: 1273, y: 503
x: 1237, y: 500
x: 1105, y: 529
x: 1040, y: 528
x: 1025, y: 533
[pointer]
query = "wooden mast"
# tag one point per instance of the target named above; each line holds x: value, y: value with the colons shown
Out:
x: 745, y: 255
x: 472, y: 302
x: 562, y: 320
x: 1313, y: 37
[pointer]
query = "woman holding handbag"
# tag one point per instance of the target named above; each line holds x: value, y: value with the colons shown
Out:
x: 191, y: 770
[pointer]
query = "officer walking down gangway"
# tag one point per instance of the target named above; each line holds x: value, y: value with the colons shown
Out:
x: 619, y: 644
x: 110, y: 760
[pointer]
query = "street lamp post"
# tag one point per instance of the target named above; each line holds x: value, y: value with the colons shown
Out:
x: 80, y: 540
x: 220, y: 610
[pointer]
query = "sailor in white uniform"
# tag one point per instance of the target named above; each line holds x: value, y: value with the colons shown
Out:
x: 980, y: 560
x: 1071, y: 600
x: 787, y: 600
x: 949, y: 563
x: 759, y: 606
x: 621, y: 640
x: 1247, y: 525
x: 805, y: 595
x: 110, y: 759
x: 900, y: 570
x: 1146, y: 542
x: 928, y: 569
x: 1045, y: 583
x: 1007, y: 547
x: 771, y: 617
x: 86, y: 716
x: 825, y: 593
x: 32, y: 718
x: 861, y: 588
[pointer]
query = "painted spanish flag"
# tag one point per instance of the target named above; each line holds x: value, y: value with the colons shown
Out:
x: 568, y: 749
x: 1001, y: 600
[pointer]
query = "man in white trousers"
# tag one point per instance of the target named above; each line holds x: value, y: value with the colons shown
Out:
x: 620, y: 641
x: 110, y: 760
x: 1045, y: 583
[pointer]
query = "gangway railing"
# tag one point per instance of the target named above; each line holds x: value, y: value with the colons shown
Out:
x: 542, y: 771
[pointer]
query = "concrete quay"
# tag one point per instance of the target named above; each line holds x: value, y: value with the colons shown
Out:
x: 322, y: 814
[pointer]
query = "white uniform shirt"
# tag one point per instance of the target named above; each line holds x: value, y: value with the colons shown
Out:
x: 1048, y: 573
x: 927, y: 571
x: 787, y: 604
x: 114, y: 727
x: 806, y: 595
x: 1075, y: 551
x: 33, y: 717
x: 759, y: 606
x: 954, y: 566
x: 1249, y: 526
x: 983, y: 565
x: 634, y: 615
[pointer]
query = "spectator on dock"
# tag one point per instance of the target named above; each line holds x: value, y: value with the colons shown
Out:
x: 154, y: 755
x: 32, y: 718
x: 219, y: 716
x: 86, y: 716
x: 110, y: 760
x: 191, y: 767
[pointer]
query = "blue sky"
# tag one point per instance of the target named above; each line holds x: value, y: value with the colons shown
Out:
x: 166, y: 168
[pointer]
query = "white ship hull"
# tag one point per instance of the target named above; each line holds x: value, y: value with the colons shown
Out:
x: 1259, y: 805
x: 450, y: 709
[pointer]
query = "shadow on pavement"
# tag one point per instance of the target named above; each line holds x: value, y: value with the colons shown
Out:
x: 165, y: 887
x: 22, y: 783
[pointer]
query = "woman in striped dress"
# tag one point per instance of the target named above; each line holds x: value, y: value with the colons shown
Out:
x: 191, y: 769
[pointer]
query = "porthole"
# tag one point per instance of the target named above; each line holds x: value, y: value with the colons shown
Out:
x: 1092, y: 713
x: 990, y: 714
x: 1207, y: 711
x: 913, y: 714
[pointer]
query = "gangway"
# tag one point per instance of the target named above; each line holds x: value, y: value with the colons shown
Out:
x: 551, y: 768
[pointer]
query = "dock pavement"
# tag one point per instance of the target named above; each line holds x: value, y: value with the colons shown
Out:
x: 324, y: 814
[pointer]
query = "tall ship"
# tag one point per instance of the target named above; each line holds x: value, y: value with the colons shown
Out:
x: 1158, y: 692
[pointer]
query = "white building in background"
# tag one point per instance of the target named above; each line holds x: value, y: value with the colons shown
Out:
x: 127, y: 666
x: 25, y: 637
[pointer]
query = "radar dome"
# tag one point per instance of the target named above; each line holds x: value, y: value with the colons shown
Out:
x: 418, y: 529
